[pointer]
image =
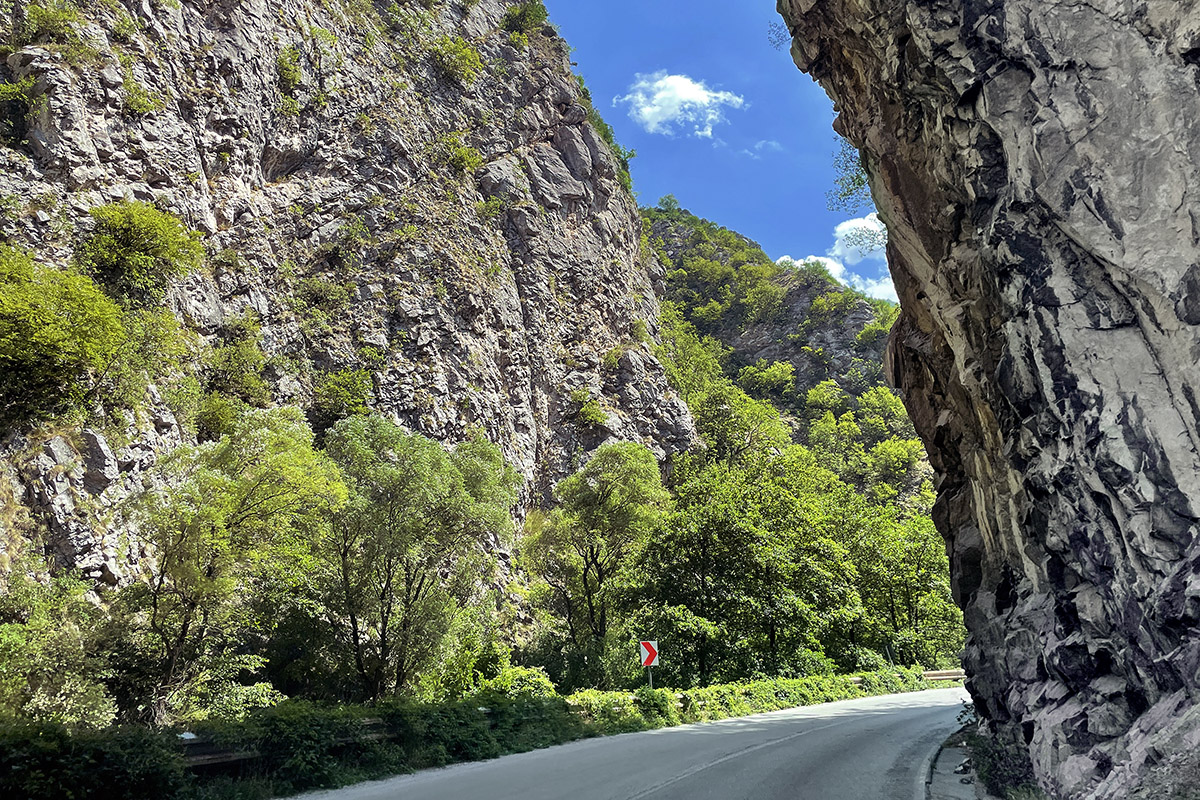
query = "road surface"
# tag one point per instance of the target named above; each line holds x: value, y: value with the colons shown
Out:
x: 875, y: 748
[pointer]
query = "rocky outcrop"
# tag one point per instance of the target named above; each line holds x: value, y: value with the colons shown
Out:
x: 472, y: 220
x: 825, y: 330
x: 1036, y: 164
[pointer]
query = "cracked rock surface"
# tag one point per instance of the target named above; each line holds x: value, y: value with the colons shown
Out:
x: 477, y: 298
x: 1036, y: 164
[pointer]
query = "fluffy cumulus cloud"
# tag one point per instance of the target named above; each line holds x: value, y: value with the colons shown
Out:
x: 858, y: 244
x: 665, y: 103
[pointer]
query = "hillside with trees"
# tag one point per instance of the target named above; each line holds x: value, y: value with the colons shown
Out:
x: 311, y: 415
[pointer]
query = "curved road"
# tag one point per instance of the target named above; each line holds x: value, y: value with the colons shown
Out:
x: 875, y: 748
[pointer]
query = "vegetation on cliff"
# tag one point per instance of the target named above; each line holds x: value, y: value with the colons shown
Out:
x: 286, y: 555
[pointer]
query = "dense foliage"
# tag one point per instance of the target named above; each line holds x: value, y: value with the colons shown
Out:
x: 298, y: 571
x: 720, y: 277
x: 57, y: 333
x: 771, y: 559
x: 303, y: 746
x: 136, y: 249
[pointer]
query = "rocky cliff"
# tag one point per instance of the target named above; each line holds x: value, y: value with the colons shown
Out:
x: 407, y: 188
x: 825, y: 330
x: 1036, y: 164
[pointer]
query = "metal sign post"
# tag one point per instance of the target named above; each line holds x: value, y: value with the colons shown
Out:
x: 649, y: 658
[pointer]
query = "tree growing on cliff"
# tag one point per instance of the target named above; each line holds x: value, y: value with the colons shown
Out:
x: 136, y: 250
x: 58, y: 332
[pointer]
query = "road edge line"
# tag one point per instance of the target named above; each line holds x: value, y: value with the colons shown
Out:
x: 925, y: 791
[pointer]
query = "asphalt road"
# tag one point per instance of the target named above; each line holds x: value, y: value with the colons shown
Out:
x: 875, y: 748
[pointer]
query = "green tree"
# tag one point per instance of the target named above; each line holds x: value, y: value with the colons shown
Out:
x: 136, y: 250
x: 49, y: 670
x: 774, y: 379
x: 407, y: 550
x: 58, y: 333
x: 606, y: 513
x: 228, y: 511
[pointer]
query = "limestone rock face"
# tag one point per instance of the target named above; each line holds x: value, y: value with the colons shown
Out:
x: 473, y: 223
x: 1036, y: 162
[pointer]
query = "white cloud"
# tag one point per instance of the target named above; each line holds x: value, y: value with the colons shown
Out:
x: 857, y: 241
x: 765, y: 146
x: 661, y: 102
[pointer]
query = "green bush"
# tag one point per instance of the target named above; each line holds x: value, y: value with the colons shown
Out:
x: 341, y: 394
x: 53, y: 762
x: 525, y: 18
x: 287, y: 67
x: 458, y: 155
x: 657, y: 706
x: 140, y: 101
x: 588, y: 412
x: 237, y: 365
x: 50, y: 22
x: 515, y: 683
x: 322, y: 294
x: 216, y: 415
x: 56, y: 328
x: 16, y: 101
x: 136, y: 250
x: 457, y: 59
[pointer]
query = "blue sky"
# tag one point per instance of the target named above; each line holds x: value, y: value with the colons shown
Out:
x: 720, y: 119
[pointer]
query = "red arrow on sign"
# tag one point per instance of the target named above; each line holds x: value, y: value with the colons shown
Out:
x: 649, y: 654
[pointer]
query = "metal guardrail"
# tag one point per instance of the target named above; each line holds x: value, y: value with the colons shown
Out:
x: 199, y: 752
x: 935, y: 676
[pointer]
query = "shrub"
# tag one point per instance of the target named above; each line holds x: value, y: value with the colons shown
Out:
x: 490, y: 208
x: 764, y: 302
x: 775, y: 378
x: 55, y: 328
x: 16, y: 101
x: 140, y: 101
x: 136, y: 250
x: 832, y: 306
x: 457, y: 59
x: 50, y: 22
x: 862, y: 659
x: 341, y: 394
x: 458, y: 155
x: 525, y: 18
x: 322, y: 294
x: 216, y: 415
x: 657, y: 706
x: 588, y: 412
x: 237, y: 365
x: 515, y: 683
x: 53, y: 762
x: 287, y: 67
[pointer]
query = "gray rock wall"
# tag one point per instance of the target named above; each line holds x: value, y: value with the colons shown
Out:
x: 1036, y: 164
x: 482, y: 320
